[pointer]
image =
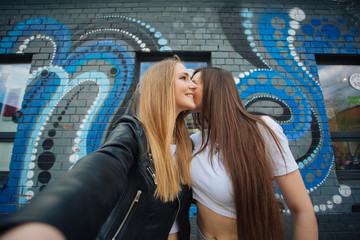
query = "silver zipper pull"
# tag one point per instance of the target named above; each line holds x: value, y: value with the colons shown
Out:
x: 137, y: 197
x: 150, y: 157
x: 152, y: 174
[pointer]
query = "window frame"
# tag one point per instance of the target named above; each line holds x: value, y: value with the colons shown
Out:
x: 10, y: 136
x: 342, y: 136
x: 158, y: 56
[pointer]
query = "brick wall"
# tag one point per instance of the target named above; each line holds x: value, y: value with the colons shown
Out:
x: 83, y: 72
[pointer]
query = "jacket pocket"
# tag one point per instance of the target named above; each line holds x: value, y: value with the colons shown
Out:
x: 135, y: 200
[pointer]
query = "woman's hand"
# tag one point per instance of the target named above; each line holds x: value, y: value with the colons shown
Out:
x: 33, y: 231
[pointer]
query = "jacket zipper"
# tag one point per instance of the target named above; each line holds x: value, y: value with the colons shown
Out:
x: 136, y: 199
x: 149, y: 169
x: 178, y: 210
x: 152, y: 174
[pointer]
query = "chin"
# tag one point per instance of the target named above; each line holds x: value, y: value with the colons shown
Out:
x: 192, y: 107
x: 196, y: 109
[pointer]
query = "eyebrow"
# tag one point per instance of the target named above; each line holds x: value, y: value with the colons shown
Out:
x: 186, y: 73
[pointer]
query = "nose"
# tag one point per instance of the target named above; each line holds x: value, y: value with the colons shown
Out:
x: 192, y: 85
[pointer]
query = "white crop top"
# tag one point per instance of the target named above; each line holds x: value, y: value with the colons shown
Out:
x: 212, y: 186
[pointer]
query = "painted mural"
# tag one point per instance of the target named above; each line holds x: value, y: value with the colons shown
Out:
x: 74, y: 101
x: 292, y: 85
x: 87, y: 81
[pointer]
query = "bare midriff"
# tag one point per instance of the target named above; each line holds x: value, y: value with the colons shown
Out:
x: 173, y: 236
x: 215, y: 226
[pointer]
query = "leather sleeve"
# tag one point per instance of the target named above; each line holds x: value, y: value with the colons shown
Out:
x: 80, y: 201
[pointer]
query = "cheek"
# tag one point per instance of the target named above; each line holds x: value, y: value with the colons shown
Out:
x: 198, y: 97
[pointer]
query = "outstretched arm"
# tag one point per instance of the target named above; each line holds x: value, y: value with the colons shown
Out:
x: 88, y: 192
x: 297, y: 199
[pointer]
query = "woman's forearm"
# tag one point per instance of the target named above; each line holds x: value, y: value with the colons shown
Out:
x: 297, y: 199
x: 305, y: 226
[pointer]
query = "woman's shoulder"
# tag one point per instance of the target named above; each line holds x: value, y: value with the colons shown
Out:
x: 127, y: 118
x: 273, y: 125
x: 126, y: 126
x: 196, y: 137
x: 269, y: 121
x: 133, y: 121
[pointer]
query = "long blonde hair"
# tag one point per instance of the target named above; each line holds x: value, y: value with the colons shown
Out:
x: 162, y: 125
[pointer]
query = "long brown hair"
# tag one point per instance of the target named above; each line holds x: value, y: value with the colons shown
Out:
x: 235, y: 133
x: 158, y: 116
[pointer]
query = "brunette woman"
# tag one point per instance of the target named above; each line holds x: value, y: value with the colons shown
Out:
x: 237, y: 157
x: 131, y: 187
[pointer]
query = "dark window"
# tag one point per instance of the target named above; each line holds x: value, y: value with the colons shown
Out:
x: 339, y: 77
x: 14, y: 74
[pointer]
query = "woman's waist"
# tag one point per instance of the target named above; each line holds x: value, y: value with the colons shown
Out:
x: 214, y: 225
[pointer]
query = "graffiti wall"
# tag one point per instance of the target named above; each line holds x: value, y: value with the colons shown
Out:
x: 84, y: 72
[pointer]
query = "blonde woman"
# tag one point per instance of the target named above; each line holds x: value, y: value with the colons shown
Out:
x: 132, y: 187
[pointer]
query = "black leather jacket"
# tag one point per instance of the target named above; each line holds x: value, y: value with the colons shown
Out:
x: 109, y: 194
